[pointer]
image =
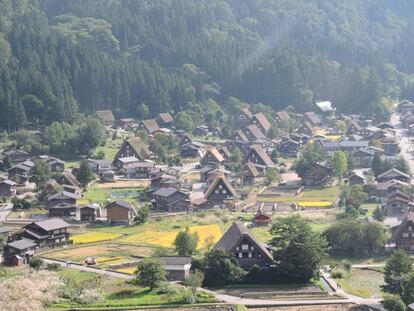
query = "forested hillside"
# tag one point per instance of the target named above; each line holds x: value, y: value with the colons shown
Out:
x: 140, y: 57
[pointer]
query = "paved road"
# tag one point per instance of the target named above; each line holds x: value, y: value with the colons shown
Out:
x: 90, y: 269
x: 404, y: 142
x: 5, y: 211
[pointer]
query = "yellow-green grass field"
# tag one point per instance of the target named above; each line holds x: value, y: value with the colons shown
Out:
x: 93, y: 237
x: 321, y: 197
x: 110, y: 148
x: 363, y: 283
x: 119, y: 294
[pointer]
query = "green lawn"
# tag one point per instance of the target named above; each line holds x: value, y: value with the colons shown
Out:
x: 363, y: 282
x: 326, y: 194
x: 120, y: 293
x: 100, y: 195
x: 110, y: 148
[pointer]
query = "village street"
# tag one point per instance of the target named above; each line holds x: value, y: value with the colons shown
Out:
x: 404, y: 141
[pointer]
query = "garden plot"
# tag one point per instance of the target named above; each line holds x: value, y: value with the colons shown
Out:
x: 104, y: 196
x: 93, y: 237
x: 206, y: 234
x: 106, y: 256
x: 363, y: 282
x: 324, y: 197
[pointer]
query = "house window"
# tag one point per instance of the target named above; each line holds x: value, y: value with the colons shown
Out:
x: 245, y: 247
x: 405, y: 235
x: 224, y: 191
x: 216, y: 191
x: 250, y: 255
x: 409, y: 228
x: 240, y: 255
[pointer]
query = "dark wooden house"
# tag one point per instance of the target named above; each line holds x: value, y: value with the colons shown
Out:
x: 170, y: 200
x: 18, y: 252
x: 63, y: 210
x: 149, y: 126
x: 165, y: 120
x: 212, y: 158
x: 47, y: 232
x: 316, y: 174
x: 134, y: 147
x: 246, y: 249
x: 220, y: 192
x: 403, y: 235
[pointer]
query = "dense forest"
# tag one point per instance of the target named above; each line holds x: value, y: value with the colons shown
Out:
x: 140, y: 57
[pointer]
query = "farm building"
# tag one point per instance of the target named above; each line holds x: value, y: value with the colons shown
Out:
x: 246, y: 249
x: 120, y: 213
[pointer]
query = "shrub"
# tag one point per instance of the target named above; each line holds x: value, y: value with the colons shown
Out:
x: 89, y: 296
x: 338, y: 273
x: 166, y: 288
x: 347, y: 266
x: 53, y: 266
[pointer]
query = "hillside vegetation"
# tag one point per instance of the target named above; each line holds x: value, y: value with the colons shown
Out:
x: 141, y: 57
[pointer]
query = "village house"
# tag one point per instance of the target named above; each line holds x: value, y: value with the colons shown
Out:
x: 356, y: 179
x: 345, y: 145
x: 67, y: 178
x: 18, y: 252
x: 253, y: 133
x: 383, y: 189
x: 312, y: 118
x: 192, y: 149
x: 202, y: 130
x: 225, y: 153
x: 246, y: 249
x: 353, y: 128
x: 306, y: 128
x: 165, y: 120
x: 260, y: 120
x: 149, y: 126
x: 289, y: 147
x: 220, y: 192
x: 106, y: 116
x: 403, y: 234
x: 16, y: 156
x: 316, y: 174
x: 63, y: 210
x: 127, y: 124
x: 398, y: 204
x: 212, y: 158
x: 363, y: 157
x: 250, y: 173
x: 120, y: 213
x: 141, y: 170
x: 242, y: 118
x: 62, y: 197
x: 258, y: 156
x: 261, y: 218
x: 185, y: 139
x: 8, y: 188
x: 282, y: 116
x: 240, y: 139
x: 393, y: 174
x: 55, y: 164
x: 89, y: 212
x: 177, y: 268
x: 47, y: 232
x: 164, y: 181
x: 405, y: 107
x: 22, y: 169
x: 126, y: 163
x: 100, y: 166
x: 134, y: 147
x: 390, y: 146
x: 170, y: 200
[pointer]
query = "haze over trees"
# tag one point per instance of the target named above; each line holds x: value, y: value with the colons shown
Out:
x: 60, y: 57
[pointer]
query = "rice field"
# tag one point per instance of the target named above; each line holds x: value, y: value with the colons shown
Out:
x: 166, y: 238
x: 306, y: 204
x: 93, y: 237
x: 130, y: 270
